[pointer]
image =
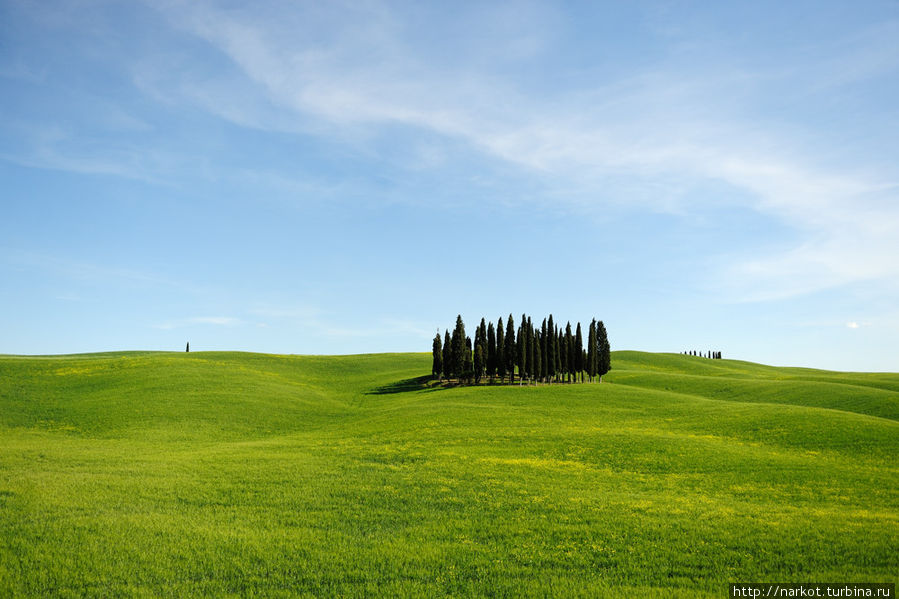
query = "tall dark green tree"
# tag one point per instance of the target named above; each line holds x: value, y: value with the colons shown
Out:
x: 521, y: 349
x: 459, y: 348
x: 579, y: 352
x: 569, y: 352
x: 591, y: 351
x: 478, y: 362
x: 500, y: 350
x: 538, y: 357
x: 519, y: 370
x: 557, y: 357
x: 437, y: 353
x: 532, y: 342
x: 491, y: 351
x: 550, y: 350
x: 480, y: 340
x: 544, y: 368
x: 468, y: 361
x: 604, y: 351
x: 563, y: 356
x: 509, y: 350
x: 572, y: 353
x: 447, y: 356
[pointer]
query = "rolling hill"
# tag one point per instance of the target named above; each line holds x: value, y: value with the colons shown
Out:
x: 217, y: 473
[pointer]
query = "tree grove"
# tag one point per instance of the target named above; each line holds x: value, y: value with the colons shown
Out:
x: 546, y: 354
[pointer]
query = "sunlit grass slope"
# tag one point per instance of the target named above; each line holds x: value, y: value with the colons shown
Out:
x: 147, y: 474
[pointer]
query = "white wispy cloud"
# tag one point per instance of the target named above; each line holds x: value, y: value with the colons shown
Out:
x: 661, y: 130
x: 639, y: 140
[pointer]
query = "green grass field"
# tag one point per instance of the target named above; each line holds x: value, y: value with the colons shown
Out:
x: 163, y: 474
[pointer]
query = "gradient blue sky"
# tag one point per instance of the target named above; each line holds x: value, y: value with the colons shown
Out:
x: 326, y: 177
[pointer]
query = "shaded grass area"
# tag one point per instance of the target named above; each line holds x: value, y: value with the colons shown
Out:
x: 418, y: 383
x: 245, y: 474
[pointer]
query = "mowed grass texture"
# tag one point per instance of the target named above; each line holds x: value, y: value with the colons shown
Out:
x: 232, y: 474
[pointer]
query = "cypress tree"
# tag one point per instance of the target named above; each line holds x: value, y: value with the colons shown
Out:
x: 557, y: 357
x: 520, y: 351
x: 523, y: 372
x: 579, y: 352
x: 467, y: 361
x: 550, y: 350
x: 491, y: 351
x: 591, y: 351
x: 569, y: 352
x: 437, y: 352
x: 544, y: 370
x: 478, y: 362
x: 483, y: 346
x: 563, y: 356
x: 480, y: 340
x: 538, y: 357
x: 447, y: 356
x: 509, y: 350
x: 187, y: 348
x: 500, y: 350
x: 532, y: 342
x: 604, y: 357
x: 459, y: 348
x: 572, y: 354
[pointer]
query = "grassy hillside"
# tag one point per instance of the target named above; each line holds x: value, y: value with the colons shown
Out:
x: 147, y: 474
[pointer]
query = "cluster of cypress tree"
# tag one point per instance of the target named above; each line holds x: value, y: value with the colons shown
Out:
x: 712, y: 355
x: 545, y: 353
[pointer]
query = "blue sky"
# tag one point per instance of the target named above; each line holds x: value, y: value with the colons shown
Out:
x: 300, y: 177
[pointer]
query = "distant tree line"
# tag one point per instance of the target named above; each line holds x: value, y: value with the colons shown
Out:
x: 546, y: 353
x: 712, y: 355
